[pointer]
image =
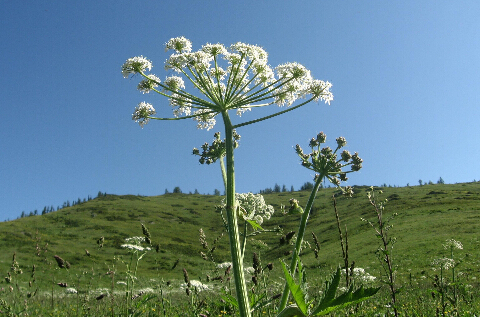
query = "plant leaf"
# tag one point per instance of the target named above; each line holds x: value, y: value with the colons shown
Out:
x: 291, y: 311
x: 254, y: 225
x: 296, y: 291
x: 230, y: 299
x: 329, y: 303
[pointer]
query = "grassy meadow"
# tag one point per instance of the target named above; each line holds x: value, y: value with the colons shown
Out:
x: 106, y: 279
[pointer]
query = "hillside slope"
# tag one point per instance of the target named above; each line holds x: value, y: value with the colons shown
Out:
x: 427, y: 216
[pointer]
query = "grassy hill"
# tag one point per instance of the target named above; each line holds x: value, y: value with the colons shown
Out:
x: 427, y: 216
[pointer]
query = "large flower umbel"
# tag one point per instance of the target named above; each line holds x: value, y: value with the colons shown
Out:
x: 224, y: 78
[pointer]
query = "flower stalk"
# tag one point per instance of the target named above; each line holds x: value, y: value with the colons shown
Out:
x: 246, y: 82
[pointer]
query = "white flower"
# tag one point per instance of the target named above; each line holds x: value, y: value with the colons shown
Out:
x: 132, y: 247
x: 146, y: 290
x: 174, y: 83
x: 135, y: 65
x: 218, y: 72
x: 253, y: 52
x: 253, y: 207
x: 444, y: 263
x: 321, y: 90
x: 182, y: 104
x: 148, y: 84
x: 241, y: 110
x: 135, y: 240
x: 249, y: 270
x: 224, y: 265
x: 142, y: 112
x: 214, y: 49
x: 199, y: 286
x: 454, y: 244
x: 179, y: 44
x: 122, y: 283
x: 70, y: 290
x: 205, y: 119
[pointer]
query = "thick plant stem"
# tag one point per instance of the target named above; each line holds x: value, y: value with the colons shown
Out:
x: 298, y: 244
x: 234, y: 237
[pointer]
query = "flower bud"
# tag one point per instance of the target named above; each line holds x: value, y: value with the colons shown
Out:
x: 341, y: 142
x: 321, y: 137
x: 346, y: 156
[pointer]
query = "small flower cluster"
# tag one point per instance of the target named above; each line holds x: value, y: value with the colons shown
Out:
x: 245, y: 79
x: 197, y: 285
x: 453, y: 244
x: 325, y: 162
x: 134, y: 244
x: 252, y: 207
x: 360, y: 274
x: 211, y: 153
x: 443, y: 263
x: 142, y: 113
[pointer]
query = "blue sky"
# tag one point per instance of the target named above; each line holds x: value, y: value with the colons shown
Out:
x: 405, y: 78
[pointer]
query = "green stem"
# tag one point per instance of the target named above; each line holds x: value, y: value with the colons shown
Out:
x: 273, y: 115
x: 224, y: 172
x: 298, y: 244
x: 234, y: 237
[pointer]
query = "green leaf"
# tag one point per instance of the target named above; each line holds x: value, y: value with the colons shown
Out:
x: 330, y: 290
x: 330, y: 303
x: 255, y: 225
x: 291, y: 311
x: 230, y: 299
x: 296, y: 290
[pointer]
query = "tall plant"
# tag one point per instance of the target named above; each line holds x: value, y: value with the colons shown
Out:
x: 237, y: 78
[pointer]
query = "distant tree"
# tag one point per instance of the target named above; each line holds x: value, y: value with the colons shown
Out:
x: 35, y: 212
x: 284, y: 188
x: 420, y: 182
x: 267, y: 191
x: 216, y: 192
x: 408, y: 184
x: 177, y: 190
x: 440, y: 181
x: 22, y: 215
x: 292, y: 189
x: 100, y: 194
x: 430, y: 183
x: 276, y: 188
x: 166, y: 191
x: 307, y: 186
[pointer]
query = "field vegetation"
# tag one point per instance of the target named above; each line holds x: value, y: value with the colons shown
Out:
x: 75, y: 262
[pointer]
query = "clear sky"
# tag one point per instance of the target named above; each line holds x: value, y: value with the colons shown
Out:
x: 405, y: 78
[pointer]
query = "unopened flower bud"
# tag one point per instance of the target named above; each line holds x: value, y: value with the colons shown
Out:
x: 313, y: 143
x: 321, y: 137
x: 341, y: 142
x: 346, y: 156
x: 299, y: 150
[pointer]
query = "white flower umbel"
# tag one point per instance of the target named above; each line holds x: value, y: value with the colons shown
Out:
x: 443, y: 263
x: 235, y: 78
x: 453, y: 244
x: 253, y: 207
x: 142, y: 113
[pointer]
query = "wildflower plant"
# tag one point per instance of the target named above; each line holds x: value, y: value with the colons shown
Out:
x: 445, y: 264
x: 327, y: 166
x: 224, y: 79
x: 382, y: 227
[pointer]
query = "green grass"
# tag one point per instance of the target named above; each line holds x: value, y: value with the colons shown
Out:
x: 427, y: 216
